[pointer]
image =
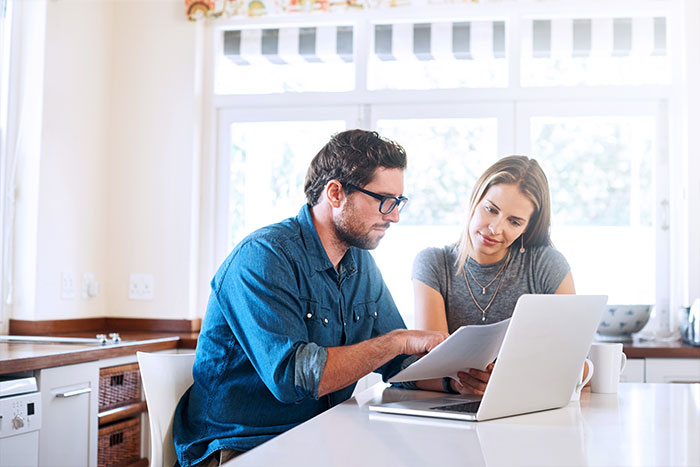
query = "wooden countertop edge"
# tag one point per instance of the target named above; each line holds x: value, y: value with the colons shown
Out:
x: 187, y: 343
x: 87, y: 355
x: 662, y: 352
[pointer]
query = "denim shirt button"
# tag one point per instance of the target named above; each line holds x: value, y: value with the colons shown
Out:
x: 309, y: 315
x: 375, y: 314
x: 356, y: 318
x: 325, y: 320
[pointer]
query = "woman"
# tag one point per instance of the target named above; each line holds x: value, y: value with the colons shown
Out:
x: 505, y: 252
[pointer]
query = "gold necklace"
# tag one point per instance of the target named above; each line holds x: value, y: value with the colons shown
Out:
x: 484, y: 287
x: 483, y: 310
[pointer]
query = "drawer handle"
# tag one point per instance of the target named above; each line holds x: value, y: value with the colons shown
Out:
x: 77, y: 392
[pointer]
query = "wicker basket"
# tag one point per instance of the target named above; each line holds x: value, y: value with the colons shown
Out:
x: 119, y: 385
x: 119, y: 443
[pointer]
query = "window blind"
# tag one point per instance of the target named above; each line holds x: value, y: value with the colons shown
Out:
x: 289, y: 45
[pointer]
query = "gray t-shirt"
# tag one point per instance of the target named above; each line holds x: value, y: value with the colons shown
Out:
x: 539, y: 270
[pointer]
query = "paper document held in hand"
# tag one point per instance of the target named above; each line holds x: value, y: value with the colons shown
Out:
x: 468, y: 347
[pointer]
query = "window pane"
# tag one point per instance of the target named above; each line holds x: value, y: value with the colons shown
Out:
x: 267, y: 174
x: 594, y: 51
x: 439, y: 55
x: 445, y: 157
x: 601, y: 175
x: 595, y: 71
x: 290, y: 59
x: 437, y: 74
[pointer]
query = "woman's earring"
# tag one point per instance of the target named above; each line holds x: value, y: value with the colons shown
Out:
x: 522, y: 244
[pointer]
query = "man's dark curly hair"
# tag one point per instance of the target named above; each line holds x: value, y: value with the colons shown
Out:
x: 351, y: 157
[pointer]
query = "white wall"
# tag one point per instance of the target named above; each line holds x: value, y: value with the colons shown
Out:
x: 153, y: 158
x: 118, y: 172
x: 72, y: 190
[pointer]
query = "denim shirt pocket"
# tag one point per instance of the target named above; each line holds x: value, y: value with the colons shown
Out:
x: 320, y: 325
x: 364, y: 315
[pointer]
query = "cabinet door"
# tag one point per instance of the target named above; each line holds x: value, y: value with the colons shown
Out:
x: 68, y: 436
x: 673, y: 370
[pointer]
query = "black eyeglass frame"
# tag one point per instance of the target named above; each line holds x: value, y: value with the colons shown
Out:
x: 399, y: 201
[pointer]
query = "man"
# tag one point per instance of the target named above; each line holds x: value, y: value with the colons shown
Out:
x: 299, y: 311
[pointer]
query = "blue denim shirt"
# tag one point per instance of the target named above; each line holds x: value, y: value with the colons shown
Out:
x: 276, y: 303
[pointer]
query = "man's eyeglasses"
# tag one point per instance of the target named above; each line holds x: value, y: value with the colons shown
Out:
x: 387, y: 203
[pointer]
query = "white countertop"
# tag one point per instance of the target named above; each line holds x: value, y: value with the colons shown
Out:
x: 643, y: 424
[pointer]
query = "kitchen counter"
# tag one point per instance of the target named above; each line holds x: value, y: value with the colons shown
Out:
x: 17, y: 357
x: 153, y: 335
x: 644, y: 424
x: 656, y: 349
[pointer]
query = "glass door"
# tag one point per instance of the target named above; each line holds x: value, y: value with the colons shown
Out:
x: 608, y: 174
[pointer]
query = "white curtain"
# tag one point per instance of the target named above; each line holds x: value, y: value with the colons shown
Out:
x: 21, y: 104
x: 6, y: 172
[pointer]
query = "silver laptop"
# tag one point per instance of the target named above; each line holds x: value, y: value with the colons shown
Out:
x: 537, y: 366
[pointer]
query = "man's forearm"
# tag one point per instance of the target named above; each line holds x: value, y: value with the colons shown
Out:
x: 347, y: 364
x: 430, y: 385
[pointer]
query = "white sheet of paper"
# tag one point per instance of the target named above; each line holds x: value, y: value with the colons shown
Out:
x: 468, y: 347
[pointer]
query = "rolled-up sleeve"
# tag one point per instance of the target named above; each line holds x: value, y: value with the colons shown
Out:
x: 308, y: 367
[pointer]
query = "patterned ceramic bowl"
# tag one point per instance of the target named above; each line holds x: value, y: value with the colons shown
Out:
x: 620, y: 321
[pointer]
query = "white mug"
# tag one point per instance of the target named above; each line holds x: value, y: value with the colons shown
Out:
x: 576, y: 395
x: 609, y: 361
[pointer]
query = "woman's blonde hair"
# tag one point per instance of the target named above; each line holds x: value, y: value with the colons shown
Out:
x: 527, y: 174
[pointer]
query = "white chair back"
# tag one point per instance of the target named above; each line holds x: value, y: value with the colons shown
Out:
x: 165, y: 378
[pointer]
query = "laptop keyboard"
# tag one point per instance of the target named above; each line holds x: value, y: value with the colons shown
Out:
x: 466, y: 407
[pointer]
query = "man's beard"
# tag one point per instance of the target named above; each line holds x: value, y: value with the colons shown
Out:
x: 347, y: 229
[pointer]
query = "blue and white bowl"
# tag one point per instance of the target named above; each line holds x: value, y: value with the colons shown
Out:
x: 619, y: 322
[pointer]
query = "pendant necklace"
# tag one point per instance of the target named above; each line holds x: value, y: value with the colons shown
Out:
x: 484, y: 287
x: 469, y: 287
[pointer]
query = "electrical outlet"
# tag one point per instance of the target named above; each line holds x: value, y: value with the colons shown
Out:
x: 67, y: 286
x: 141, y: 287
x: 91, y: 288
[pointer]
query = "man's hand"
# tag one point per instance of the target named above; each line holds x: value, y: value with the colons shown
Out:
x: 473, y: 381
x: 420, y: 342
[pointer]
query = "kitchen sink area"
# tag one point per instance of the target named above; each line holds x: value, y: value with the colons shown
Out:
x: 100, y: 339
x: 26, y: 353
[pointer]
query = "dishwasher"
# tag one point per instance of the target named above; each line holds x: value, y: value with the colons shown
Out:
x: 20, y: 421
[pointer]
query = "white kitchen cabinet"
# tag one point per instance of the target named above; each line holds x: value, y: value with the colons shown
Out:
x: 68, y: 435
x: 634, y: 371
x: 673, y: 370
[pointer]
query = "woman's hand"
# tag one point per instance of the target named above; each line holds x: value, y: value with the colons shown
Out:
x: 472, y: 381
